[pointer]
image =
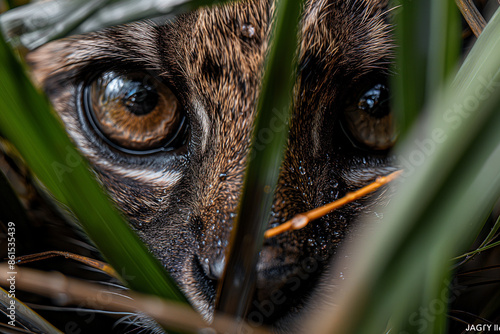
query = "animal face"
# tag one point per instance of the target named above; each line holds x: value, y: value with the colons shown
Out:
x: 164, y: 113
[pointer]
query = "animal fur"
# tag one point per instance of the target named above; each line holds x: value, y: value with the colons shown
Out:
x: 183, y: 203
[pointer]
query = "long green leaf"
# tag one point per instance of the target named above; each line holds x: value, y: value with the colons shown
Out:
x: 263, y: 169
x: 28, y: 122
x: 444, y: 44
x: 428, y: 39
x: 412, y: 38
x: 450, y: 185
x: 444, y: 51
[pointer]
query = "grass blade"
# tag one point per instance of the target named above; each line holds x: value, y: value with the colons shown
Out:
x: 428, y: 39
x: 451, y: 184
x: 263, y: 169
x: 412, y: 38
x: 38, y: 23
x: 444, y: 44
x: 28, y: 122
x: 24, y: 315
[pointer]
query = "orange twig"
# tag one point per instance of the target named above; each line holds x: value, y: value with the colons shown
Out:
x: 88, y: 261
x: 301, y: 220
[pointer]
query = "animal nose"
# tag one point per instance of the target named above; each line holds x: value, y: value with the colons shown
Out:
x: 215, y: 267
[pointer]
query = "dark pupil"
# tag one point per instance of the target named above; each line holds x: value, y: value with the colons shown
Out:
x: 140, y: 98
x: 375, y: 101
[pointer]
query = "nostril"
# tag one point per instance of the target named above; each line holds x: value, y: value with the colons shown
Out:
x: 216, y: 267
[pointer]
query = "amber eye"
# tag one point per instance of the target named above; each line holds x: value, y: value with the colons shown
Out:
x: 134, y: 111
x: 370, y: 120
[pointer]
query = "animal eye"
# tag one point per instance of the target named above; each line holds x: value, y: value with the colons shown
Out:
x: 134, y: 112
x: 369, y: 119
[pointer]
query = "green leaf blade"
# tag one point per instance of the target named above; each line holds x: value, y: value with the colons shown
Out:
x: 27, y: 121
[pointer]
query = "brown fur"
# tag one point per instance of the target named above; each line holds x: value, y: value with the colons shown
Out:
x: 183, y: 203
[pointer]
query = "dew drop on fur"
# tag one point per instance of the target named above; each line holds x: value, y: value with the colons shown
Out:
x: 248, y: 31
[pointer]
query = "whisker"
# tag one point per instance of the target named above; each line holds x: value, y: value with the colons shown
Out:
x: 475, y: 316
x: 101, y: 266
x: 7, y: 329
x: 141, y: 324
x: 475, y: 271
x: 497, y: 281
x: 459, y: 320
x: 111, y: 284
x: 74, y: 309
x: 82, y: 244
x: 167, y: 313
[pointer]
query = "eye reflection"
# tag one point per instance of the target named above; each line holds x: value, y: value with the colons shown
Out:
x: 370, y: 120
x: 134, y: 111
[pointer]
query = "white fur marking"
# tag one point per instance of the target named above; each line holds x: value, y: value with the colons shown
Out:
x: 146, y: 176
x: 205, y: 123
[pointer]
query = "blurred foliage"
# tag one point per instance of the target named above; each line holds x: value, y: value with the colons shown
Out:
x: 451, y: 158
x: 27, y: 121
x: 429, y: 39
x: 40, y: 22
x: 451, y: 155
